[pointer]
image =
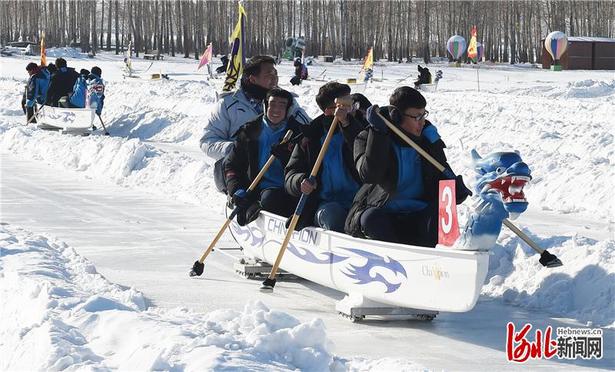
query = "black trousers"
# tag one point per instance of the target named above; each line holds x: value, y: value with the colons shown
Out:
x: 415, y: 228
x: 273, y: 200
x: 29, y: 111
x: 276, y: 200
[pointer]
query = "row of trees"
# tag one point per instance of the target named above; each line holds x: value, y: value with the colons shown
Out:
x: 511, y: 31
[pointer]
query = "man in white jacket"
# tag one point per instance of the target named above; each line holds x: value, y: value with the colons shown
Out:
x: 234, y: 109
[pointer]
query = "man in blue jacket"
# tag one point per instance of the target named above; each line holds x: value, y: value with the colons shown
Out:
x: 398, y: 200
x: 96, y: 90
x: 254, y: 144
x: 332, y: 190
x: 234, y: 109
x: 36, y: 90
x: 79, y: 94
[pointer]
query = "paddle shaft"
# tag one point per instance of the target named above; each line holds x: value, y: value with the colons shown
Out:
x: 522, y: 235
x: 441, y: 168
x: 101, y: 122
x: 410, y: 142
x: 295, y: 219
x: 252, y: 186
x: 35, y: 116
x: 28, y: 121
x: 25, y: 97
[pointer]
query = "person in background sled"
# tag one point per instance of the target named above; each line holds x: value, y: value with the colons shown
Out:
x: 78, y: 96
x: 398, y: 200
x: 253, y: 145
x: 51, y: 69
x: 36, y: 90
x: 369, y: 74
x: 360, y: 104
x: 301, y: 72
x: 96, y: 90
x: 61, y: 84
x: 47, y: 72
x: 424, y: 77
x: 337, y: 180
x: 222, y: 69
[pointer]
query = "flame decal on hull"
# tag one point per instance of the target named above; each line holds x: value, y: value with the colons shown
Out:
x: 253, y: 235
x: 331, y: 258
x: 362, y: 273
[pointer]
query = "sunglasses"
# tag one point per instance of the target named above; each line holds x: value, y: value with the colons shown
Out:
x: 418, y: 117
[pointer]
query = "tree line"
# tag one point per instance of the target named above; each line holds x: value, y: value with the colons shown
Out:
x: 511, y: 31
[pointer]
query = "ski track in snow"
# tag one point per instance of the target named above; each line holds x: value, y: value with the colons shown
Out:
x: 560, y: 123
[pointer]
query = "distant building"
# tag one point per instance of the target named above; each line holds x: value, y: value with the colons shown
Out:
x: 584, y: 53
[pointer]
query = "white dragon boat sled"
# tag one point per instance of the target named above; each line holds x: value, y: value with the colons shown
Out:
x: 67, y: 120
x: 436, y: 279
x: 378, y: 275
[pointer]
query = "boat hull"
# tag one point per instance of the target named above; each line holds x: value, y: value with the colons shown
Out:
x: 66, y: 118
x: 437, y: 279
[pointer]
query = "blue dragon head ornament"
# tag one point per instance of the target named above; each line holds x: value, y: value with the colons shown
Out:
x: 500, y: 179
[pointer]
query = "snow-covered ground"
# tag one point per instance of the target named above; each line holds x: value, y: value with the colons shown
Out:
x: 139, y: 206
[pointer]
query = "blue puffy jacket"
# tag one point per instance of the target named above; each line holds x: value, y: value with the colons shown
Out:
x: 80, y: 89
x: 96, y: 91
x: 37, y: 88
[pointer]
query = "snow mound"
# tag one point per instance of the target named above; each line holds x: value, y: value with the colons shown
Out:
x: 166, y: 110
x: 583, y: 288
x: 74, y: 318
x: 65, y: 52
x: 127, y: 162
x: 590, y: 89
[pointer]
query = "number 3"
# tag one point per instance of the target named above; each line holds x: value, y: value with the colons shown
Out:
x: 448, y: 199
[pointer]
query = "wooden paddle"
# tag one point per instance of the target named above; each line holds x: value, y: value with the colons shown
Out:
x: 269, y: 283
x: 197, y: 268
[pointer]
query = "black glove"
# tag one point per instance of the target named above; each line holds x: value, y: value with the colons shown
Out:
x: 461, y: 191
x: 295, y: 126
x: 282, y: 151
x: 241, y: 198
x: 375, y: 121
x: 248, y: 214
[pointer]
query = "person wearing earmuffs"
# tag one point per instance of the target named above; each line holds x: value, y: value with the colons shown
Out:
x: 398, y: 199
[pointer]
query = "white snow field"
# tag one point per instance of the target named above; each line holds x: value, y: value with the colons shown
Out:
x: 98, y: 233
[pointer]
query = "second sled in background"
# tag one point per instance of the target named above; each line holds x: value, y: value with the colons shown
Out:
x: 66, y: 120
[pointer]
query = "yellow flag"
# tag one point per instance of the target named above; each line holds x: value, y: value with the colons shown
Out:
x: 237, y: 60
x: 472, y: 48
x: 43, y: 53
x: 368, y: 62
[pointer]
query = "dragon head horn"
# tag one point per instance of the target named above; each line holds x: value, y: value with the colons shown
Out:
x: 475, y: 155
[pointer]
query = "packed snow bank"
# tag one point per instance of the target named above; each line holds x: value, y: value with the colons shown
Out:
x: 56, y: 303
x: 66, y: 52
x: 127, y: 162
x: 582, y: 289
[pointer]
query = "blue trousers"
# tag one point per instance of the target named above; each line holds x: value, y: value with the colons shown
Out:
x: 331, y: 216
x: 415, y: 228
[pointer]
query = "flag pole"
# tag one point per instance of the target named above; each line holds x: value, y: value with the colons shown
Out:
x: 477, y: 76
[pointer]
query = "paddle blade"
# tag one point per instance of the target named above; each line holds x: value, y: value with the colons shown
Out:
x: 268, y: 285
x: 549, y: 260
x: 197, y: 269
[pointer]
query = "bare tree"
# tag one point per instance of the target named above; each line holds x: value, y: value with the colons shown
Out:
x: 510, y: 30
